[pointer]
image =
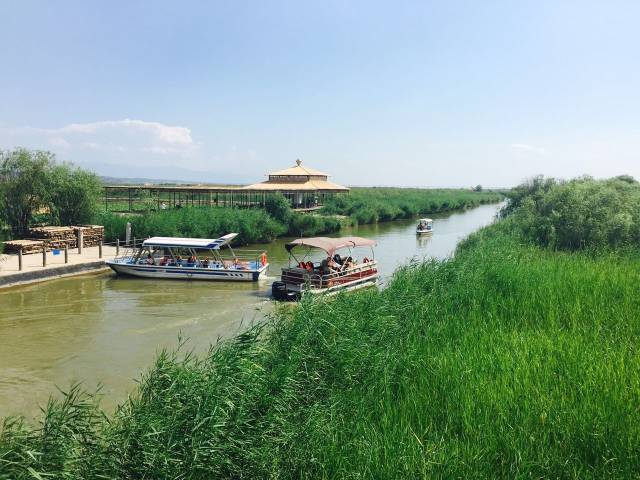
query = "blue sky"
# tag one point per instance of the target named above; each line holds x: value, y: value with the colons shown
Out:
x: 376, y: 93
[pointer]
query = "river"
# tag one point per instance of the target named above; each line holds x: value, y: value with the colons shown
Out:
x: 103, y: 329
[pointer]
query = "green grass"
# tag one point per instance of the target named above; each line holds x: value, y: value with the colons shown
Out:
x: 370, y: 205
x: 507, y: 361
x: 253, y: 225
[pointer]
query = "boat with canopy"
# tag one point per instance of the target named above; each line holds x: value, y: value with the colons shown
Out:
x: 425, y: 225
x: 191, y: 258
x: 323, y: 265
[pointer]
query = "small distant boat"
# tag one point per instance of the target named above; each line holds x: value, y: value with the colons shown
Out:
x: 425, y: 225
x: 337, y: 272
x: 192, y: 259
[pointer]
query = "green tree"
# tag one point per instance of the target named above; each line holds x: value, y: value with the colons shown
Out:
x: 23, y: 186
x: 278, y: 207
x: 74, y: 194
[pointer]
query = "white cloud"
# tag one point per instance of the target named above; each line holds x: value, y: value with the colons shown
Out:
x: 59, y: 142
x: 529, y: 148
x: 114, y: 135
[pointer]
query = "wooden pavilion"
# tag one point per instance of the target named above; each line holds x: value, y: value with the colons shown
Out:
x: 306, y: 189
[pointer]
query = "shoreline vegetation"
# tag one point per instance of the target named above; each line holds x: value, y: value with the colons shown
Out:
x: 361, y: 206
x: 37, y: 189
x: 517, y: 357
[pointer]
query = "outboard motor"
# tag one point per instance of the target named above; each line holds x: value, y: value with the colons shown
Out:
x: 279, y: 292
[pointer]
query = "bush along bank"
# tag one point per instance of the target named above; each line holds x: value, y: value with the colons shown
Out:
x: 253, y: 225
x: 370, y: 205
x: 509, y: 360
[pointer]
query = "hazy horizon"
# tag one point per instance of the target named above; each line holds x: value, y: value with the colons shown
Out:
x: 437, y: 94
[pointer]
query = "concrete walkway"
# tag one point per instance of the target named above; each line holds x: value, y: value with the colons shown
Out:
x: 33, y: 271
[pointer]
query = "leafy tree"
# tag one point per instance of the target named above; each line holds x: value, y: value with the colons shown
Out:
x: 278, y: 207
x: 626, y: 178
x: 31, y: 181
x: 74, y: 194
x: 23, y: 186
x: 477, y: 188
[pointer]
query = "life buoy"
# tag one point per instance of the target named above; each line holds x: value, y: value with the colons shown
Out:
x: 263, y: 259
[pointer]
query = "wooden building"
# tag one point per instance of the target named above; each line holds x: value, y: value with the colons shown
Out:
x: 306, y: 189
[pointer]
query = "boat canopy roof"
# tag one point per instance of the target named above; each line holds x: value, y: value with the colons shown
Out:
x: 208, y: 243
x: 330, y: 245
x: 425, y: 220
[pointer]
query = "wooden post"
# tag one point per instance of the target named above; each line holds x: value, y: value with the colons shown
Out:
x: 100, y: 249
x: 66, y: 253
x: 117, y: 246
x: 80, y: 240
x: 44, y: 254
x: 20, y: 259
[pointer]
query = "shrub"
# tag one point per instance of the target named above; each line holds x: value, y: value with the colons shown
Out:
x: 578, y: 214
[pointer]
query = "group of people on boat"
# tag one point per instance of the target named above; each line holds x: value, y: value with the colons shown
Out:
x: 193, y: 261
x: 329, y: 265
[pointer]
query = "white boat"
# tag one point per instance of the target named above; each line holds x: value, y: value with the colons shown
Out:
x: 336, y: 272
x: 425, y: 225
x: 191, y: 259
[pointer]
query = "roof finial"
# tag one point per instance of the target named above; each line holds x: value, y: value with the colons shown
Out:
x: 298, y: 162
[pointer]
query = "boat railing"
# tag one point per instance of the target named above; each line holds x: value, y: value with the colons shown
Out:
x: 314, y: 279
x: 126, y: 250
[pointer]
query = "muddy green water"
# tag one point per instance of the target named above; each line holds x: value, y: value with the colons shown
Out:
x: 106, y: 330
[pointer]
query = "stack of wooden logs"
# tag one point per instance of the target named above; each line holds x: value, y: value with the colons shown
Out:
x: 55, y: 237
x: 27, y: 246
x: 92, y: 235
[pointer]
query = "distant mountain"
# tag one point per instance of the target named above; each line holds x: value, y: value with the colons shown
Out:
x: 141, y: 181
x: 137, y: 174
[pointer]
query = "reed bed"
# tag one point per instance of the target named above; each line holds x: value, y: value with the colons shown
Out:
x: 253, y: 225
x: 507, y: 361
x: 374, y: 204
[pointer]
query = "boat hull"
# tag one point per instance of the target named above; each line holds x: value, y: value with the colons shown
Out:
x: 291, y: 292
x: 187, y: 273
x: 423, y: 232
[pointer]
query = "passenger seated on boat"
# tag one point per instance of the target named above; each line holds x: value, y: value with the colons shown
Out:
x: 333, y: 265
x: 302, y: 265
x: 338, y: 259
x: 348, y: 263
x: 179, y: 260
x: 164, y: 261
x: 205, y: 263
x: 150, y: 260
x: 326, y: 266
x: 309, y: 266
x: 240, y: 265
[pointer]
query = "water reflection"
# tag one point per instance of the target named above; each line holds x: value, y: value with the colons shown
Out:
x: 422, y: 240
x: 106, y: 329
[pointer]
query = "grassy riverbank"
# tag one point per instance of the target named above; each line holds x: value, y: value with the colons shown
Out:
x: 370, y: 205
x: 509, y: 360
x: 363, y: 205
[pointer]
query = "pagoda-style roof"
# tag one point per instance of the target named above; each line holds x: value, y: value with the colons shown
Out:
x: 298, y: 178
x: 298, y: 170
